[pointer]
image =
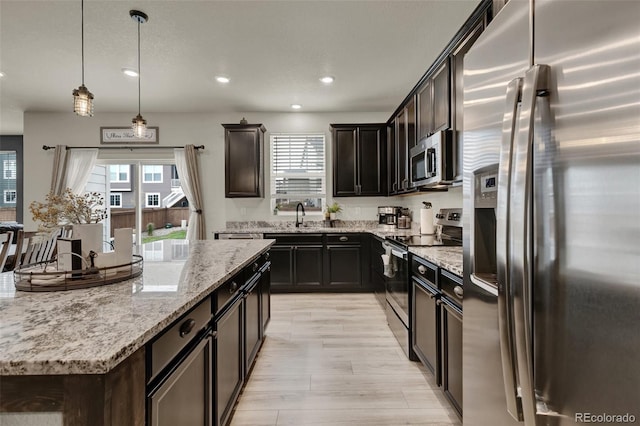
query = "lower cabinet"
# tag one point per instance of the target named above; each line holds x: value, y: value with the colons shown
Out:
x: 452, y: 353
x: 252, y: 322
x: 425, y: 330
x: 343, y: 261
x: 228, y: 360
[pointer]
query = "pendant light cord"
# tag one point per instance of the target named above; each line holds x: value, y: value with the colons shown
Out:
x: 139, y: 71
x: 82, y: 37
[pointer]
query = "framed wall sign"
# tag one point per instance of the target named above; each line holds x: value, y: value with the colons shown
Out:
x: 124, y: 135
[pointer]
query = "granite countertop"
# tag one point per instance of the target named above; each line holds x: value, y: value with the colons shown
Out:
x: 90, y: 331
x: 449, y: 258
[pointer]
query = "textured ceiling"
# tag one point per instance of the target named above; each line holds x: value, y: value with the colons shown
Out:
x: 273, y: 51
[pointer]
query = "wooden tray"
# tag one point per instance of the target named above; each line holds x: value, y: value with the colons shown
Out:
x: 44, y: 277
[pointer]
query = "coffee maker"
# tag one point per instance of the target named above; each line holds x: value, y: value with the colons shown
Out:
x: 388, y: 217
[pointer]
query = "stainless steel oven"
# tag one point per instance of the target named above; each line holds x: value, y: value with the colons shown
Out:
x: 433, y: 161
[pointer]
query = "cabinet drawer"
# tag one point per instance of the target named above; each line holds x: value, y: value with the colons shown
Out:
x: 451, y: 285
x: 228, y: 290
x: 295, y: 239
x: 176, y: 337
x: 344, y: 238
x: 254, y: 268
x: 424, y: 270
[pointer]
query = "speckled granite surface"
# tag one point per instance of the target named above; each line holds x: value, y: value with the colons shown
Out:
x: 90, y: 331
x: 449, y: 258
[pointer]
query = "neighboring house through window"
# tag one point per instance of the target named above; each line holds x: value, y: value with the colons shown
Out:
x: 297, y: 172
x: 10, y: 170
x: 152, y: 174
x: 115, y: 199
x: 119, y: 172
x: 152, y: 199
x: 10, y: 196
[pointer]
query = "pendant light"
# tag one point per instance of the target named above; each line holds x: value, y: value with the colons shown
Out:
x: 82, y: 97
x: 139, y: 124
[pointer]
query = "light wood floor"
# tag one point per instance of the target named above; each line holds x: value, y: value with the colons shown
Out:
x: 330, y: 359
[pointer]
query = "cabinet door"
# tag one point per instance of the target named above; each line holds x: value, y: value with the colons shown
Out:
x: 265, y: 299
x: 392, y: 159
x: 425, y: 110
x: 282, y: 266
x: 451, y: 322
x: 243, y: 160
x: 371, y: 160
x: 344, y: 162
x: 425, y: 327
x: 308, y: 266
x: 411, y: 123
x: 252, y: 325
x: 228, y: 360
x: 185, y: 397
x: 401, y: 151
x: 441, y: 97
x: 344, y: 266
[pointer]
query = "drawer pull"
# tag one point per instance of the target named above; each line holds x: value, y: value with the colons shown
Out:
x: 432, y: 296
x: 458, y: 291
x: 233, y: 287
x: 187, y: 326
x: 255, y: 266
x: 344, y: 239
x: 422, y: 269
x: 267, y: 256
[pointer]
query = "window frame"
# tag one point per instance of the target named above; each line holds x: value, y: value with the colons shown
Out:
x: 146, y: 200
x: 115, y: 194
x: 15, y: 196
x: 144, y: 173
x: 10, y: 166
x: 128, y: 169
x: 322, y: 175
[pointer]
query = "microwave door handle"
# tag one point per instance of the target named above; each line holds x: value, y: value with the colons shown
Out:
x: 507, y: 349
x: 431, y: 162
x: 520, y: 238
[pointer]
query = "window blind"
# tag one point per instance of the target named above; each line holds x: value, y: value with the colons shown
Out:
x: 297, y: 165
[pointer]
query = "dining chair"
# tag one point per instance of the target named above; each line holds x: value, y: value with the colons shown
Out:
x: 40, y: 248
x: 5, y: 240
x: 14, y: 257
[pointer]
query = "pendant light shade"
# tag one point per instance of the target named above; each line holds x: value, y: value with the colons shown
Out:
x: 139, y: 124
x: 82, y: 97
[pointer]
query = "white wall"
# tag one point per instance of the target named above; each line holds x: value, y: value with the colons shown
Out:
x: 202, y: 129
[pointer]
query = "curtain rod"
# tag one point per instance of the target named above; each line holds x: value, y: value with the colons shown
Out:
x: 47, y: 147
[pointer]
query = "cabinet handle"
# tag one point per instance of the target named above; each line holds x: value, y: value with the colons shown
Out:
x: 432, y: 296
x: 422, y: 269
x: 269, y: 268
x: 187, y: 326
x: 233, y: 287
x: 438, y: 302
x: 344, y: 238
x: 458, y: 291
x: 213, y: 334
x: 255, y: 266
x: 267, y: 256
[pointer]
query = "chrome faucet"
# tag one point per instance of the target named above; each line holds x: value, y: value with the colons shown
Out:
x: 299, y: 221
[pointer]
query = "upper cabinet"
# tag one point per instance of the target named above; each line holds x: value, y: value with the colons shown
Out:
x: 244, y: 160
x: 404, y: 139
x: 434, y: 105
x: 359, y: 160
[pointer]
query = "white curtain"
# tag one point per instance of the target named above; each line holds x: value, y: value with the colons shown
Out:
x: 72, y: 168
x: 80, y: 164
x: 189, y: 174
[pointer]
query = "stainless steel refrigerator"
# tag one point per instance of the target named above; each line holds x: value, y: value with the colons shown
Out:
x: 552, y: 216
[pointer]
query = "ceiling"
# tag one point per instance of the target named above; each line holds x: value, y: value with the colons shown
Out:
x: 273, y: 51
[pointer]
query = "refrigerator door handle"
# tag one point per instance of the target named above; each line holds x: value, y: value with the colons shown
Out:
x: 520, y: 237
x: 505, y: 320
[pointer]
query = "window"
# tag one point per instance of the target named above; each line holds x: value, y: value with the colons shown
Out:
x: 10, y: 170
x: 152, y: 199
x: 115, y: 200
x: 10, y: 196
x: 152, y: 174
x: 297, y: 172
x: 119, y: 172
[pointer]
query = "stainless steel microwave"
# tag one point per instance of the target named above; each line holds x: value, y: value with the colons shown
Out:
x: 432, y: 161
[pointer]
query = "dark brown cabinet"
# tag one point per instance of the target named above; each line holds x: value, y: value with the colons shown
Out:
x: 228, y: 360
x: 434, y: 101
x: 244, y: 160
x: 425, y: 320
x: 252, y: 322
x: 296, y: 262
x: 451, y: 335
x: 359, y: 160
x: 343, y: 257
x: 404, y: 139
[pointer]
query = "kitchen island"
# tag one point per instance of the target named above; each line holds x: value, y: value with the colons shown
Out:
x: 83, y: 350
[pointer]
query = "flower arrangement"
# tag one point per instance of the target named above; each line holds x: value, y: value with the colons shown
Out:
x: 68, y: 208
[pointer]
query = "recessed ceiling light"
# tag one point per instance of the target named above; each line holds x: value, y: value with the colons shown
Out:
x: 130, y: 72
x: 296, y: 106
x: 327, y: 79
x: 222, y: 79
x: 1, y: 74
